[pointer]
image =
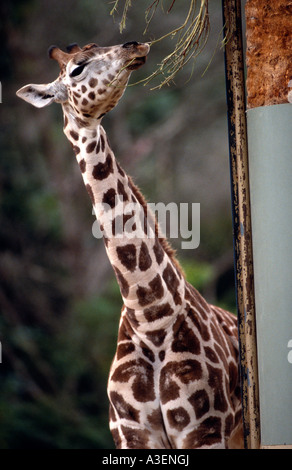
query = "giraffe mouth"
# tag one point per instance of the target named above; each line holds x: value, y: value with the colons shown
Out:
x: 136, y: 63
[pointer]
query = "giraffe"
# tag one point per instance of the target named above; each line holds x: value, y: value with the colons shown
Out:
x: 174, y: 380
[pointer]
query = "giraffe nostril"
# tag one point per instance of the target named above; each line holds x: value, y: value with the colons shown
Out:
x: 129, y: 44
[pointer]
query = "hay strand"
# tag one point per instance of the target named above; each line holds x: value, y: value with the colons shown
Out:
x: 191, y: 37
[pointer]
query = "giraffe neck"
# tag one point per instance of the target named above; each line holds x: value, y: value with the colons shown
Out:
x: 150, y: 280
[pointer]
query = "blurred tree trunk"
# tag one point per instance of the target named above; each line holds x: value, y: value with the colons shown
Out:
x: 269, y: 51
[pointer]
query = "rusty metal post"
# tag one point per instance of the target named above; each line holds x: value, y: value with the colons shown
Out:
x: 235, y: 89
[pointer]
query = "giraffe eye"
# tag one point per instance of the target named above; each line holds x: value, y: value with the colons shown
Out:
x: 77, y: 71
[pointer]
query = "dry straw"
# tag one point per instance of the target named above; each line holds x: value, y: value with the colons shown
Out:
x: 191, y: 37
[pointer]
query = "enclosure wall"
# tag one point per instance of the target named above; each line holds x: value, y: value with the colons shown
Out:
x: 270, y: 172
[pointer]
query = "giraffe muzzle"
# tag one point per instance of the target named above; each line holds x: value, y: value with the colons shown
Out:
x: 136, y: 63
x: 140, y: 53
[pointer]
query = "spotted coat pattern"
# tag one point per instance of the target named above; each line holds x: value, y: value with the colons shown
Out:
x: 174, y: 381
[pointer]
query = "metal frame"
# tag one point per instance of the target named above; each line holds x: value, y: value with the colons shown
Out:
x: 242, y: 233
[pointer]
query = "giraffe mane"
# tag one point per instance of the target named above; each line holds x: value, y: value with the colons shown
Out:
x: 171, y: 252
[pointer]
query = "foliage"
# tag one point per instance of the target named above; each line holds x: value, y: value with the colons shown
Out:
x: 157, y: 107
x: 197, y: 274
x: 61, y: 398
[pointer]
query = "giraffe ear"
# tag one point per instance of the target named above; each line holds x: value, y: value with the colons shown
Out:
x: 43, y: 95
x: 37, y: 95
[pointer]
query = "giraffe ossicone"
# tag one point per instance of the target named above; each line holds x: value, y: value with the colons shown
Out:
x: 174, y: 381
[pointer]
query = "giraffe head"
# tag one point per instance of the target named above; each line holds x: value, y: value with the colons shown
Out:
x: 92, y: 79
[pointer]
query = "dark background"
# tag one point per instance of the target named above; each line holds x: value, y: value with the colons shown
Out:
x: 59, y: 301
